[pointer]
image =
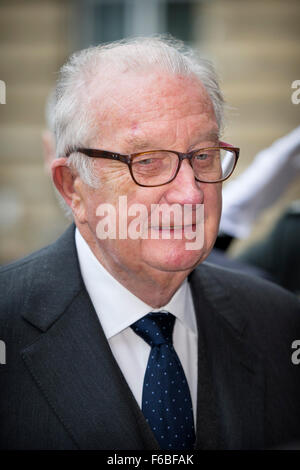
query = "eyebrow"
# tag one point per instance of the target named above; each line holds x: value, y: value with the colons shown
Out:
x: 140, y: 144
x: 211, y: 135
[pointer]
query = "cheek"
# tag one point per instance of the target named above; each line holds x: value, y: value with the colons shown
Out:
x: 213, y: 201
x: 117, y: 196
x: 212, y: 214
x: 115, y: 182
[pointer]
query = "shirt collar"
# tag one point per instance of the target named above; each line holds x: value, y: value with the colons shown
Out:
x: 117, y: 307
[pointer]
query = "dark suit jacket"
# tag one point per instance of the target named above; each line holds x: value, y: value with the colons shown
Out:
x: 62, y: 389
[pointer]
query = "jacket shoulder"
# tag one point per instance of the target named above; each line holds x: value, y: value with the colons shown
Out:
x: 243, y: 298
x: 16, y: 280
x: 33, y: 273
x: 244, y: 285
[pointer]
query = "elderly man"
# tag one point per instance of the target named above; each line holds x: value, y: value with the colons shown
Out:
x: 115, y: 340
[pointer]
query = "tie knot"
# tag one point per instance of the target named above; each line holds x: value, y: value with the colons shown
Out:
x: 155, y: 328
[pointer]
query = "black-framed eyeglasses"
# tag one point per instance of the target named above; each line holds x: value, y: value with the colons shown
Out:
x: 159, y: 167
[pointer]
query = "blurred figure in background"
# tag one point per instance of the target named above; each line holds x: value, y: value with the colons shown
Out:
x: 258, y: 187
x: 277, y: 256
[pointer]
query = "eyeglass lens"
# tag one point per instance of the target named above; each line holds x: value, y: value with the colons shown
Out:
x: 209, y: 165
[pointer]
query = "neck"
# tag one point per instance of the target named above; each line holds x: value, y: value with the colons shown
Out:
x: 155, y: 290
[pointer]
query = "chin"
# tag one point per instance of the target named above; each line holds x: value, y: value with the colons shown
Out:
x: 169, y: 255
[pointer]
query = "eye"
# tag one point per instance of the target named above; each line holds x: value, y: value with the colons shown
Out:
x: 201, y: 156
x: 146, y: 161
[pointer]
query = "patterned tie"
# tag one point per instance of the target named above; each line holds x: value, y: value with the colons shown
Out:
x: 166, y: 402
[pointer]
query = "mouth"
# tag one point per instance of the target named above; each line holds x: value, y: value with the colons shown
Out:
x: 174, y: 227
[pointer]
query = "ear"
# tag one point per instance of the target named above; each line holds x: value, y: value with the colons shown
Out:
x: 70, y: 187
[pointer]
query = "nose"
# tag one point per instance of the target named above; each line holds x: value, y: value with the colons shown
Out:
x: 184, y: 189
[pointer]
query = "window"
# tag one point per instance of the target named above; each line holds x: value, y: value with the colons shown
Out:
x: 101, y: 21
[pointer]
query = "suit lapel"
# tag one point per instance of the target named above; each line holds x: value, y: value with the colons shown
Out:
x: 230, y: 375
x: 72, y: 364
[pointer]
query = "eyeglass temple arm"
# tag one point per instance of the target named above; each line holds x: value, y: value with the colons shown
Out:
x: 100, y: 154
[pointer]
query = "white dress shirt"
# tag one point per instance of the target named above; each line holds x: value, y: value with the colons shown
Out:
x: 117, y: 309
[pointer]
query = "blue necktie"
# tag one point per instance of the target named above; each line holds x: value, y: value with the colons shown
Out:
x: 166, y: 401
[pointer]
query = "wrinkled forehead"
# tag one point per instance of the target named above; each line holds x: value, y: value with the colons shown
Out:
x: 134, y: 104
x: 129, y: 93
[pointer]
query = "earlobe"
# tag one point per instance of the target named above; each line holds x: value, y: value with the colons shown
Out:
x: 77, y: 202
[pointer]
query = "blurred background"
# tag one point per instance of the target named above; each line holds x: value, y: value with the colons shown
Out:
x: 253, y: 44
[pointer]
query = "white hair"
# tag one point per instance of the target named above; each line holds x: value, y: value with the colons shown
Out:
x: 75, y: 122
